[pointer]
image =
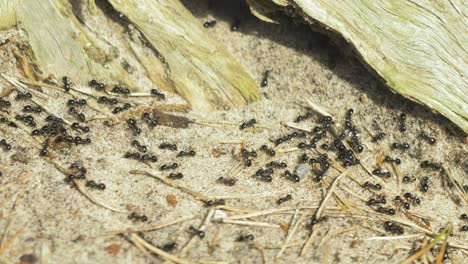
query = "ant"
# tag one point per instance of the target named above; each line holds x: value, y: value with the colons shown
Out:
x: 197, y: 232
x: 23, y: 96
x: 176, y: 176
x: 141, y: 148
x: 66, y: 83
x: 393, y: 227
x: 403, y: 146
x: 290, y: 176
x: 268, y: 151
x: 169, y: 167
x: 158, y: 94
x: 120, y: 90
x: 248, y: 124
x: 98, y: 186
x: 5, y: 145
x: 209, y: 24
x: 244, y: 238
x: 429, y: 139
x: 132, y: 124
x: 226, y: 181
x: 215, y: 202
x: 137, y: 217
x: 284, y: 199
x: 190, y: 153
x: 266, y: 74
x: 168, y: 146
x: 97, y: 85
x: 151, y: 121
x: 378, y: 137
x: 431, y: 165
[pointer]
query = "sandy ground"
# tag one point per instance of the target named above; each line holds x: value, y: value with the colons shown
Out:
x: 43, y: 219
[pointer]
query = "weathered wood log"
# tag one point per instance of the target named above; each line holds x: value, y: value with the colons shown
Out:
x: 184, y: 57
x: 418, y: 47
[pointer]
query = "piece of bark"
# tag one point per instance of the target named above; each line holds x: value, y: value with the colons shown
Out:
x: 417, y: 47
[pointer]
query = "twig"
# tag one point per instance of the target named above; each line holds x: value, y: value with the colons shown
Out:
x: 82, y: 189
x: 192, y: 240
x: 10, y: 216
x: 290, y: 233
x: 158, y: 251
x: 11, y: 240
x: 245, y: 223
x: 425, y: 249
x: 174, y: 184
x: 150, y: 228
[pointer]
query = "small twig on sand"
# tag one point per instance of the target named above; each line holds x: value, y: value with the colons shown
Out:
x: 159, y: 252
x: 81, y: 187
x: 10, y: 216
x: 149, y: 228
x: 192, y: 240
x: 320, y: 210
x: 291, y: 232
x: 245, y: 223
x: 174, y: 184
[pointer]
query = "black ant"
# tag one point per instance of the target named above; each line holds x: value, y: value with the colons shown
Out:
x: 314, y: 221
x: 168, y: 146
x: 72, y: 110
x: 292, y: 177
x: 464, y: 217
x: 380, y: 173
x: 406, y: 179
x: 385, y: 210
x: 97, y: 85
x: 244, y: 238
x: 403, y: 122
x: 132, y: 124
x: 27, y: 119
x: 176, y: 176
x: 80, y: 102
x: 142, y: 158
x: 275, y: 164
x: 266, y: 74
x: 264, y: 174
x: 66, y: 83
x: 23, y: 96
x: 284, y: 199
x: 5, y: 145
x: 373, y: 201
x: 392, y: 160
x: 235, y: 25
x: 190, y: 153
x: 169, y: 247
x: 82, y: 141
x: 226, y: 181
x: 106, y: 100
x: 431, y: 165
x: 32, y: 109
x: 140, y: 147
x: 215, y: 202
x: 429, y: 139
x: 45, y: 146
x: 158, y: 94
x: 403, y: 146
x: 169, y: 167
x: 94, y: 185
x: 378, y: 137
x: 77, y: 126
x: 197, y: 232
x: 209, y: 24
x: 372, y: 186
x: 137, y: 217
x: 248, y: 124
x: 120, y: 90
x: 300, y: 118
x: 151, y: 121
x: 393, y: 227
x: 424, y: 184
x: 268, y: 151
